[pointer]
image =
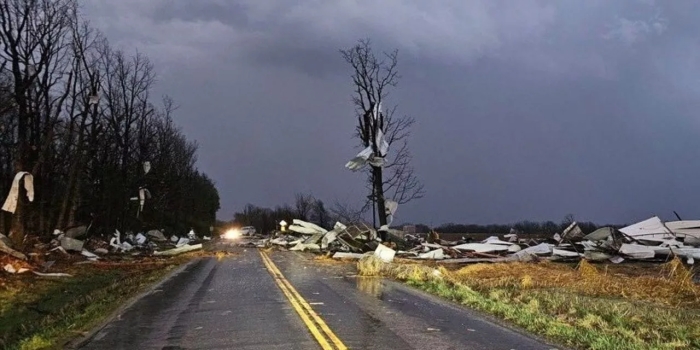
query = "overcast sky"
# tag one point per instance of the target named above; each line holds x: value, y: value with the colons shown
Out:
x: 524, y: 109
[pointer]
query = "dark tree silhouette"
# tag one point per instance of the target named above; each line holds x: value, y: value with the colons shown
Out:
x: 372, y: 78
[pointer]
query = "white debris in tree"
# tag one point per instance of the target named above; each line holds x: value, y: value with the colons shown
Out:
x: 382, y: 144
x: 143, y: 195
x: 368, y: 155
x: 360, y: 159
x: 12, y: 198
x: 390, y: 208
x: 377, y: 161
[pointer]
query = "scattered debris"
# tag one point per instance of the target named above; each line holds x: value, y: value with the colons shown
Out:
x: 11, y: 269
x: 384, y: 253
x: 648, y: 240
x: 156, y: 235
x: 76, y: 232
x: 71, y: 244
x: 179, y: 250
x: 6, y: 247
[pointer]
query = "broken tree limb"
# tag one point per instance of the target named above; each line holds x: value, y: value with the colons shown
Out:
x: 7, y: 250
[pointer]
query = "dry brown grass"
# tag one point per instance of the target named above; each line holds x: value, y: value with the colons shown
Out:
x: 370, y: 266
x: 673, y: 286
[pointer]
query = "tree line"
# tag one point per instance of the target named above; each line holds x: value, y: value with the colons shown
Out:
x: 524, y: 227
x: 80, y: 116
x: 306, y: 207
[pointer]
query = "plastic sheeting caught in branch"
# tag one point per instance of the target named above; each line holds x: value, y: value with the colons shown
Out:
x: 143, y: 195
x: 11, y: 201
x: 368, y: 155
x: 390, y: 208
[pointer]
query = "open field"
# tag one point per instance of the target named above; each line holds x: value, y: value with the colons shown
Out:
x: 585, y: 306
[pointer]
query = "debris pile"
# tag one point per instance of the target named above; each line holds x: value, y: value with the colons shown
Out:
x: 649, y: 240
x: 346, y: 241
x: 72, y: 246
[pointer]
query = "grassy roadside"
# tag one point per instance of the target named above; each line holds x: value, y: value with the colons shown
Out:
x: 584, y: 307
x: 45, y: 313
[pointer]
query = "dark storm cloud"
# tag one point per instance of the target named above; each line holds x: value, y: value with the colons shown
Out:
x: 525, y: 110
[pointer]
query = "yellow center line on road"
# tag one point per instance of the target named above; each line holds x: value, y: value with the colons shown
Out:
x: 305, y: 311
x: 308, y: 308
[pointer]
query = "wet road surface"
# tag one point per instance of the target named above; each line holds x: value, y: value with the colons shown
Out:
x: 236, y: 303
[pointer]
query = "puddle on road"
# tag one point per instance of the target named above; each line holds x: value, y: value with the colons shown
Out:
x: 370, y: 285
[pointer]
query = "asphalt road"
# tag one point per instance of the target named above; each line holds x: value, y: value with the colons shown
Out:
x: 236, y: 303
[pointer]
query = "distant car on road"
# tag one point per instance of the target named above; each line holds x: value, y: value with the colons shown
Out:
x: 248, y: 230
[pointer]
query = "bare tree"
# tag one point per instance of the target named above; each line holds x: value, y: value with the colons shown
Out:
x: 34, y: 36
x: 85, y: 152
x: 304, y: 205
x: 320, y: 214
x: 345, y: 213
x: 392, y: 178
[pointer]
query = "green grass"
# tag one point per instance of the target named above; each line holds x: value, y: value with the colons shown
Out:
x: 562, y: 304
x: 39, y: 313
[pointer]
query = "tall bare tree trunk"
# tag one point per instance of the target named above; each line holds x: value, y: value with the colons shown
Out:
x: 379, y: 193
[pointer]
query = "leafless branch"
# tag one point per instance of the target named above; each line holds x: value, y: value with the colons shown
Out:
x: 372, y: 79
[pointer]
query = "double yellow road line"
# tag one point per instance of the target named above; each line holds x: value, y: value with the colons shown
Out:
x: 319, y: 329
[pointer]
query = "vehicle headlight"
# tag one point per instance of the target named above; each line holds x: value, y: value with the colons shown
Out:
x: 232, y: 234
